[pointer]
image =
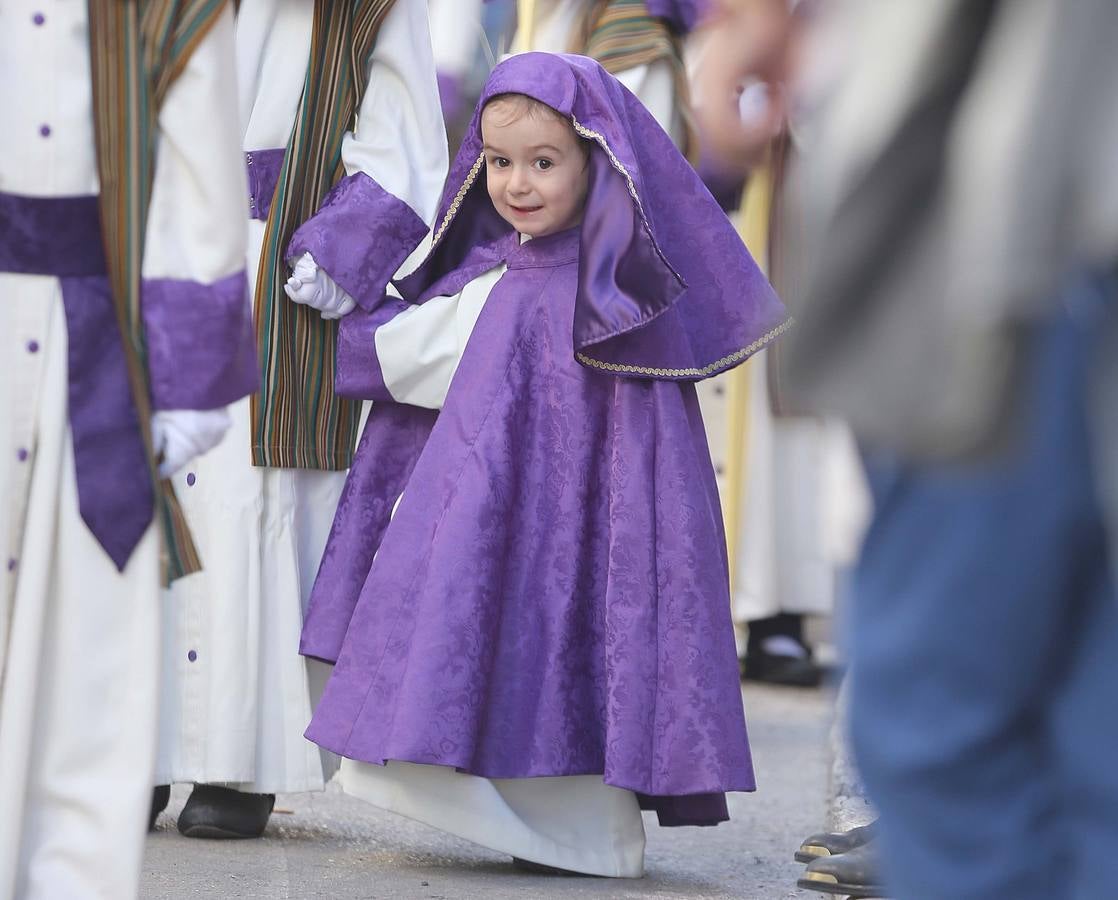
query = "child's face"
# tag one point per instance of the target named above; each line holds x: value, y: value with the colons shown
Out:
x: 535, y: 169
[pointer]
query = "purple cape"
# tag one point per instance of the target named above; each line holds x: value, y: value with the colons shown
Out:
x: 551, y: 597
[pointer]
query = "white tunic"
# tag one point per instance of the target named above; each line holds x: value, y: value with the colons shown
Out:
x: 79, y: 640
x: 236, y: 694
x: 576, y: 822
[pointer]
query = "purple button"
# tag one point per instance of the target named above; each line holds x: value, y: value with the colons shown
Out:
x: 21, y: 454
x: 32, y: 346
x: 38, y: 18
x: 11, y: 565
x: 192, y: 656
x: 44, y: 130
x: 190, y: 479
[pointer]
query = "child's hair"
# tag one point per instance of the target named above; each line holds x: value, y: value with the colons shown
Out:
x: 513, y: 106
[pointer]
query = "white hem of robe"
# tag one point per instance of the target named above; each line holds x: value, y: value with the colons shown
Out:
x: 574, y: 822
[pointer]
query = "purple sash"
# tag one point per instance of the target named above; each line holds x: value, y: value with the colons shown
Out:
x: 61, y: 236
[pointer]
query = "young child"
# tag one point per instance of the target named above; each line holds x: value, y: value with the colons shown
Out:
x: 535, y: 643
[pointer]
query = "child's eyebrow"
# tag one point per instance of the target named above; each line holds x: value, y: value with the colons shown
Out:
x: 489, y: 148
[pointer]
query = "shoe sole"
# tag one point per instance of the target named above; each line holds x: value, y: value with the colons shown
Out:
x: 801, y: 857
x: 783, y: 682
x: 213, y: 833
x: 853, y: 891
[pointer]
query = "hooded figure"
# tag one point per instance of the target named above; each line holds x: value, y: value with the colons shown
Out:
x: 525, y: 594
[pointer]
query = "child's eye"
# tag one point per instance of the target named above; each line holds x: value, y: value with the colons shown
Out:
x: 543, y: 164
x: 499, y: 162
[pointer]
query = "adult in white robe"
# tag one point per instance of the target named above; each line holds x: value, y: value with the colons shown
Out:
x: 79, y: 639
x: 236, y: 694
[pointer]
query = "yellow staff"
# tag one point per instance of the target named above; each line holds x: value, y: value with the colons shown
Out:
x: 526, y: 24
x: 753, y: 226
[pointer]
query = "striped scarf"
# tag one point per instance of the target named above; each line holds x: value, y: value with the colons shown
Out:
x: 297, y: 421
x: 138, y: 48
x: 620, y: 34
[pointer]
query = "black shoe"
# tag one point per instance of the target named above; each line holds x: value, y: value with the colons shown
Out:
x: 774, y: 668
x: 526, y: 865
x: 220, y: 812
x: 832, y: 843
x: 792, y: 666
x: 160, y: 797
x: 853, y: 874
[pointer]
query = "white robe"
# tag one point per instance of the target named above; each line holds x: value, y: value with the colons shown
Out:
x: 805, y: 507
x: 78, y: 639
x: 236, y: 694
x: 456, y: 35
x: 575, y: 822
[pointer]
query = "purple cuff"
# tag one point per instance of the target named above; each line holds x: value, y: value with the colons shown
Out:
x: 200, y: 342
x: 360, y: 235
x: 357, y: 374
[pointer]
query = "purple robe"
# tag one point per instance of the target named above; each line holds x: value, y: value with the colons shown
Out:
x: 551, y: 596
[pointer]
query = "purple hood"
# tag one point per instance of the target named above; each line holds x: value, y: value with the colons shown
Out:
x: 666, y: 288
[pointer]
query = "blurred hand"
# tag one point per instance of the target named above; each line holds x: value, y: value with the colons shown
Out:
x: 179, y: 435
x: 746, y: 45
x: 311, y: 286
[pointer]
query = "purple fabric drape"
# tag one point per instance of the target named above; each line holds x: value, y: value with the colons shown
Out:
x: 115, y: 493
x: 551, y: 597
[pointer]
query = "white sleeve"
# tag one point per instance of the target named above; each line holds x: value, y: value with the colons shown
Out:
x: 654, y: 85
x: 455, y: 34
x: 199, y: 201
x: 420, y: 348
x: 400, y: 139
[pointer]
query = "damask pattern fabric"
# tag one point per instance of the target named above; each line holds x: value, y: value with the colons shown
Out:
x: 551, y: 597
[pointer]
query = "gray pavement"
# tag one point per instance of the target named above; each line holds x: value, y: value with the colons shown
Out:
x: 332, y: 846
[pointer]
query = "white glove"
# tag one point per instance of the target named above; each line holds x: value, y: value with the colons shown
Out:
x: 311, y: 285
x: 179, y: 435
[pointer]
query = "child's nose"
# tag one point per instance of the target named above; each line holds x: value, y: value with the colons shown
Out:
x: 518, y: 182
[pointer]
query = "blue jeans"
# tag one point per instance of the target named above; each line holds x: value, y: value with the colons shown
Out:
x: 984, y: 656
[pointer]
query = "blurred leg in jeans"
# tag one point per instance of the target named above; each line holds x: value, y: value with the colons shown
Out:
x: 984, y: 654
